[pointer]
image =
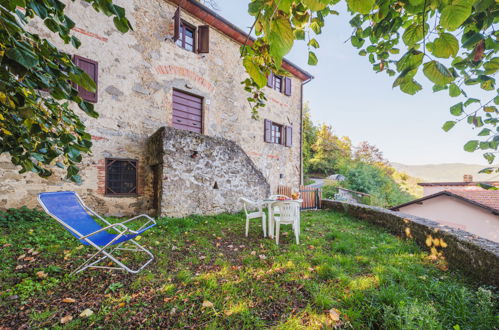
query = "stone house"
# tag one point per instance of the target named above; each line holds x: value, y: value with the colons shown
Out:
x: 175, y: 134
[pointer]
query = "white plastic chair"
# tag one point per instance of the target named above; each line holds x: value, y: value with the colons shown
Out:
x: 289, y: 215
x: 251, y: 205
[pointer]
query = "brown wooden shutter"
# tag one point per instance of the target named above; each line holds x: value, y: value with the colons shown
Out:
x: 204, y: 39
x: 92, y: 69
x: 176, y: 25
x: 287, y: 86
x: 270, y: 80
x: 267, y: 135
x: 288, y: 136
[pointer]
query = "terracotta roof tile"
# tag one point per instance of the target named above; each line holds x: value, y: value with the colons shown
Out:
x: 488, y: 198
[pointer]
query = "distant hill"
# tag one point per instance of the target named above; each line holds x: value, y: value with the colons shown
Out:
x: 445, y: 172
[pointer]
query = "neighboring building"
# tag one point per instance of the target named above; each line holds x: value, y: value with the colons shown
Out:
x: 179, y: 69
x: 475, y: 211
x: 430, y: 188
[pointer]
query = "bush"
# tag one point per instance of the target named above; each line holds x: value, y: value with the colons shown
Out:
x: 22, y: 214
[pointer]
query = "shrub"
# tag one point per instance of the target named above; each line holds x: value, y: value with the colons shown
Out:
x: 22, y: 214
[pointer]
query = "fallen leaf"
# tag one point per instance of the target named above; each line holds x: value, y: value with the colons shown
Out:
x: 68, y: 300
x: 228, y: 313
x: 121, y: 304
x: 253, y: 253
x: 207, y: 304
x: 334, y: 314
x: 20, y: 267
x: 86, y: 313
x: 202, y: 257
x: 66, y: 319
x: 173, y: 311
x: 42, y: 274
x: 21, y: 256
x: 262, y: 256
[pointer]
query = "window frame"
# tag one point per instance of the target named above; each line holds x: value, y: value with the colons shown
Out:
x: 274, y: 83
x: 273, y: 137
x: 106, y: 187
x: 182, y: 29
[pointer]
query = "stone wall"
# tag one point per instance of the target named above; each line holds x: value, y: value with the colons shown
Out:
x: 475, y: 256
x: 137, y: 74
x: 201, y: 174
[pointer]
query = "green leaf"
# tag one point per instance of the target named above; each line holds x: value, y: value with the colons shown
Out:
x: 457, y: 109
x: 22, y: 56
x: 492, y: 66
x: 285, y: 5
x: 121, y: 24
x: 357, y: 42
x: 471, y: 101
x: 413, y: 34
x: 445, y: 46
x: 454, y: 90
x: 281, y: 39
x: 410, y: 87
x: 83, y: 79
x: 412, y: 59
x: 299, y: 34
x: 448, y: 125
x: 315, y: 5
x: 485, y: 132
x: 312, y: 58
x: 313, y: 43
x: 255, y: 72
x: 437, y: 73
x: 454, y: 15
x: 361, y: 6
x: 471, y: 146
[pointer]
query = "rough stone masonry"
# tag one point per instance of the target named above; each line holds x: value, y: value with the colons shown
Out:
x: 213, y: 170
x: 137, y: 74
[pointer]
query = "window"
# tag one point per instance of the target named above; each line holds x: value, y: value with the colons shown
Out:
x: 276, y: 135
x: 186, y: 37
x: 92, y: 69
x: 279, y: 83
x: 121, y: 177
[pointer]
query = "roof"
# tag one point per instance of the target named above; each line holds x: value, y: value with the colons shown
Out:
x: 463, y: 184
x: 209, y: 16
x: 486, y: 199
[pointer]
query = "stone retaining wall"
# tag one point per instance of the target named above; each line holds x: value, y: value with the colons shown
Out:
x: 475, y: 256
x: 199, y: 174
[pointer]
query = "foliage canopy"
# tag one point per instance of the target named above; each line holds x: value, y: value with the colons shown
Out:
x: 38, y: 127
x: 451, y: 43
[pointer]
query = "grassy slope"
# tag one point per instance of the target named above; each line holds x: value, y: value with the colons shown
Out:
x: 371, y: 278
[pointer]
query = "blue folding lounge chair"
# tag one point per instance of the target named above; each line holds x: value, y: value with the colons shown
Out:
x: 69, y: 210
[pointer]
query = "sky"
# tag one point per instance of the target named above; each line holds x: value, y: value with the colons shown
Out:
x: 361, y: 104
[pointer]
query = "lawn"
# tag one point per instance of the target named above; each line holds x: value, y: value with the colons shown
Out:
x: 345, y: 274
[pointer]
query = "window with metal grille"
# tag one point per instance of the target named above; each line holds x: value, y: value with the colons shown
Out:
x: 186, y: 36
x: 276, y: 133
x: 121, y: 177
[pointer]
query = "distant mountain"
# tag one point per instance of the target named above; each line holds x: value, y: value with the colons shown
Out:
x: 445, y: 172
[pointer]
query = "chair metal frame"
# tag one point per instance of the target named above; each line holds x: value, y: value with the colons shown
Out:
x: 103, y: 249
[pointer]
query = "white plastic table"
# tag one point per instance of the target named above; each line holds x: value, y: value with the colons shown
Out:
x: 270, y: 209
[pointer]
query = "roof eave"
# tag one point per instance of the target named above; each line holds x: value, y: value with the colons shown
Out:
x: 207, y: 15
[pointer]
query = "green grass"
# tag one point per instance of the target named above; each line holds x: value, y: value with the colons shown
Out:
x: 207, y: 274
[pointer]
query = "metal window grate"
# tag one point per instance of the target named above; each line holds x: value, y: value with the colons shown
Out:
x: 121, y: 177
